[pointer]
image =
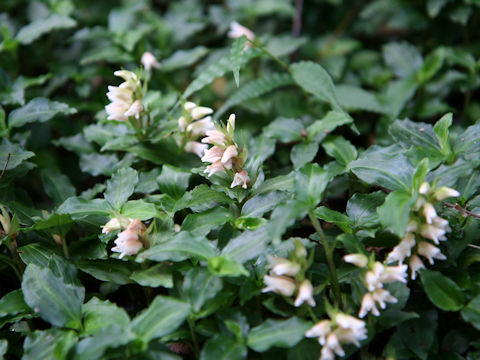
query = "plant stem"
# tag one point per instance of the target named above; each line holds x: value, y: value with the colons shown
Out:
x: 329, y: 256
x: 65, y: 247
x: 191, y: 325
x: 312, y: 314
x: 280, y: 62
x: 20, y: 268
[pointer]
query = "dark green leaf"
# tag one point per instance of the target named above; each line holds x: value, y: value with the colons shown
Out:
x: 340, y: 149
x: 13, y: 303
x: 79, y: 208
x: 223, y: 347
x: 17, y: 154
x: 140, y: 209
x: 173, y: 181
x: 471, y: 312
x: 225, y: 266
x: 114, y: 271
x: 303, y: 153
x: 38, y: 109
x: 248, y: 245
x: 199, y: 285
x: 260, y: 204
x: 40, y: 26
x: 285, y: 130
x: 120, y: 187
x: 310, y: 182
x: 57, y: 185
x: 99, y: 314
x: 403, y: 58
x: 395, y: 212
x: 362, y: 208
x: 236, y: 52
x: 334, y: 217
x: 321, y: 128
x: 154, y: 276
x: 442, y: 291
x: 51, y: 344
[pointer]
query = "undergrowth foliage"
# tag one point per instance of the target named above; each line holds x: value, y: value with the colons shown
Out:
x: 203, y: 180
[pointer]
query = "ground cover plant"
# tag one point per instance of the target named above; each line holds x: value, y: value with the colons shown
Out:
x: 263, y: 179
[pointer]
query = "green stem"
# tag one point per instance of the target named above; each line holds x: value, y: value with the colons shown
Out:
x: 191, y: 325
x: 20, y: 266
x: 329, y: 256
x: 312, y: 314
x: 277, y: 60
x: 65, y: 247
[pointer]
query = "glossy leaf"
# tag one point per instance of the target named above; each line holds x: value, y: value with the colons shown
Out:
x: 38, y: 110
x: 120, y: 187
x: 442, y: 291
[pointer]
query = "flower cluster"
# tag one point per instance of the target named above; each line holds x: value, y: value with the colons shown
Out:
x: 341, y: 329
x: 126, y: 99
x: 288, y: 276
x: 194, y: 123
x: 424, y: 227
x: 375, y: 276
x: 131, y: 240
x: 225, y: 155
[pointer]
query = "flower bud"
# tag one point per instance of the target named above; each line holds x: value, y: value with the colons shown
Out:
x: 444, y: 192
x: 424, y: 189
x: 149, y: 61
x: 359, y: 260
x: 196, y: 148
x: 279, y: 284
x: 305, y: 294
x: 415, y: 265
x: 429, y: 212
x: 200, y: 112
x: 240, y: 178
x: 430, y: 252
x: 280, y: 266
x: 111, y: 225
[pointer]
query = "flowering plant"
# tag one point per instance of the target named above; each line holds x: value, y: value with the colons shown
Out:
x: 196, y: 180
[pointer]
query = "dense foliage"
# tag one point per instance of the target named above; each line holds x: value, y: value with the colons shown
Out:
x: 256, y: 179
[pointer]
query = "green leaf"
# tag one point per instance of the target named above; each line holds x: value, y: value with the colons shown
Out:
x: 431, y: 66
x: 79, y: 208
x: 310, y: 182
x: 418, y: 335
x: 154, y: 276
x: 397, y: 95
x: 183, y: 58
x: 98, y: 314
x: 112, y: 270
x: 39, y: 253
x: 471, y: 312
x: 362, y: 209
x: 199, y: 285
x: 248, y: 245
x: 223, y: 347
x: 353, y: 98
x: 249, y: 223
x: 314, y: 79
x: 335, y: 217
x: 441, y: 130
x: 285, y: 130
x: 94, y: 347
x: 29, y: 33
x: 340, y: 149
x: 468, y: 141
x: 55, y: 222
x: 162, y: 317
x: 202, y: 198
x: 225, y: 266
x: 281, y: 333
x: 386, y: 167
x: 255, y: 89
x: 260, y: 204
x: 403, y: 58
x: 321, y: 128
x: 56, y: 301
x: 280, y: 183
x: 409, y: 133
x: 147, y: 181
x: 13, y: 303
x: 38, y: 110
x: 57, y: 185
x: 182, y: 246
x: 98, y: 164
x: 303, y: 153
x: 395, y: 212
x: 173, y: 181
x: 420, y: 173
x: 202, y: 223
x: 16, y: 157
x: 139, y: 209
x: 236, y: 53
x: 51, y: 344
x: 120, y: 187
x: 443, y: 292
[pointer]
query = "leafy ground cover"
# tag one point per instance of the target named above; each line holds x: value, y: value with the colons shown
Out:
x: 239, y: 179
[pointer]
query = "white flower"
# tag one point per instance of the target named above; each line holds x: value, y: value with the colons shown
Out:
x: 189, y: 106
x: 429, y: 212
x: 111, y: 225
x: 412, y: 226
x: 320, y: 330
x: 237, y: 30
x: 305, y: 294
x: 327, y: 354
x: 368, y: 305
x: 415, y: 265
x: 149, y: 61
x: 217, y: 166
x: 213, y: 154
x: 279, y: 284
x: 394, y: 273
x: 351, y: 330
x: 402, y: 250
x: 333, y: 344
x: 280, y: 266
x: 126, y: 75
x: 424, y: 189
x: 182, y: 123
x: 231, y: 124
x: 135, y: 109
x: 116, y: 111
x: 196, y: 148
x: 444, y: 192
x: 430, y: 252
x: 214, y: 137
x: 127, y: 243
x: 240, y: 178
x: 359, y: 260
x: 382, y: 296
x: 117, y: 94
x: 201, y: 127
x: 200, y: 112
x: 372, y: 278
x: 433, y: 233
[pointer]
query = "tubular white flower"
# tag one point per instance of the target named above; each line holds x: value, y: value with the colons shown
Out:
x: 333, y: 344
x: 189, y: 106
x: 412, y: 226
x: 182, y: 123
x: 368, y: 305
x: 280, y: 266
x: 429, y: 212
x: 327, y: 354
x: 444, y: 192
x: 305, y: 294
x: 196, y: 147
x: 402, y: 250
x: 117, y: 94
x: 217, y: 166
x: 430, y: 252
x: 394, y: 273
x: 424, y: 189
x: 229, y: 154
x: 415, y: 265
x: 126, y: 75
x: 351, y: 330
x: 201, y: 127
x: 116, y: 111
x: 149, y: 61
x: 432, y: 232
x: 372, y: 277
x: 213, y: 154
x: 279, y: 284
x: 111, y: 225
x: 214, y: 137
x: 240, y: 178
x: 382, y: 297
x: 237, y: 30
x: 320, y: 330
x: 231, y: 123
x: 135, y: 109
x: 127, y: 243
x: 359, y: 260
x: 200, y: 112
